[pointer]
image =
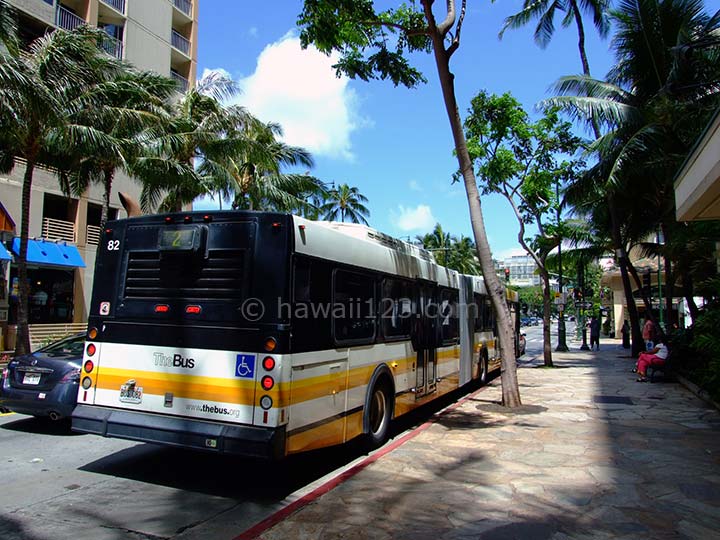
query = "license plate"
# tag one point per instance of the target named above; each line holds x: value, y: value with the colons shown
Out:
x: 31, y: 378
x: 131, y: 394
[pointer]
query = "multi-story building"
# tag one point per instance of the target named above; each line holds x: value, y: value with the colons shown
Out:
x: 523, y: 270
x: 154, y: 35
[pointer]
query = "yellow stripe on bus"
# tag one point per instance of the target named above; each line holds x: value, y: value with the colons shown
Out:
x: 183, y: 386
x: 326, y: 434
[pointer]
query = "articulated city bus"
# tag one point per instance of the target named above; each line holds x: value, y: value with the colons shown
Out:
x: 266, y: 334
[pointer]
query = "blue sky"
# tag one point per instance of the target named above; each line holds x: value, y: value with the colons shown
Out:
x: 394, y: 144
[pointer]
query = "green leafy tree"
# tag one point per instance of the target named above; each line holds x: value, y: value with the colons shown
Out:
x: 42, y: 93
x: 346, y: 202
x: 376, y: 44
x: 521, y: 160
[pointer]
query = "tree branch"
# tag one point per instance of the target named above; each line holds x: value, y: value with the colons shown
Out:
x: 444, y: 27
x: 456, y: 40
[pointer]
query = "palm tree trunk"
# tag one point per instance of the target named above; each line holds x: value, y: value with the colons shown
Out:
x: 508, y: 370
x: 108, y: 175
x: 646, y: 300
x: 637, y: 339
x: 22, y: 344
x: 581, y: 38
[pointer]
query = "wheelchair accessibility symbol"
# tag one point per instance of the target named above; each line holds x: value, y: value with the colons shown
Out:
x: 245, y: 366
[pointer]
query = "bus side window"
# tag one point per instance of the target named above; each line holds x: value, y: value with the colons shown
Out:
x: 479, y: 309
x: 449, y: 315
x: 310, y: 309
x: 396, y: 314
x: 353, y: 307
x: 489, y: 315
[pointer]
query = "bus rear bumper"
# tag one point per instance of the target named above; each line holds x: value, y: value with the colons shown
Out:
x: 267, y: 443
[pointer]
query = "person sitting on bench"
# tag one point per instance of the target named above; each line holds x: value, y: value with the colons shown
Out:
x: 654, y: 357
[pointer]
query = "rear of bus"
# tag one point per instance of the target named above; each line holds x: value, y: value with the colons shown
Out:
x: 185, y: 340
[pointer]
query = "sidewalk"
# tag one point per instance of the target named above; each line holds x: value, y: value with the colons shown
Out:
x: 591, y: 454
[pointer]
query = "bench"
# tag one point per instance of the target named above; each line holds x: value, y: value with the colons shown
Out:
x: 665, y: 369
x: 43, y: 334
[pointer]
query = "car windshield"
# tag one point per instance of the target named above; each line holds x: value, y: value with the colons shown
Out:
x: 72, y: 345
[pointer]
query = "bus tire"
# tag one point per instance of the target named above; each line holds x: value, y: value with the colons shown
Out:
x: 484, y: 375
x: 378, y: 411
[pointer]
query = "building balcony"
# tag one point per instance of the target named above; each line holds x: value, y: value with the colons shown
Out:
x: 117, y: 5
x: 67, y: 20
x: 182, y: 82
x: 180, y: 42
x: 56, y: 229
x: 112, y: 46
x: 184, y: 5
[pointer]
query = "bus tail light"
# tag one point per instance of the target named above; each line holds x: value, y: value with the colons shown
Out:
x: 89, y: 366
x: 86, y: 383
x: 268, y: 363
x: 270, y: 344
x: 266, y: 402
x: 267, y: 382
x: 92, y: 333
x: 91, y: 349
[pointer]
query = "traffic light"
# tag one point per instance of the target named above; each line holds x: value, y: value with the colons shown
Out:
x: 507, y: 274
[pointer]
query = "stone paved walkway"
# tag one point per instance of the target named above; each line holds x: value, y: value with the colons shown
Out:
x: 591, y: 455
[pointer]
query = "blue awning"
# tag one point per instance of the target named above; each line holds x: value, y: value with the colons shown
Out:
x: 46, y: 253
x: 4, y: 254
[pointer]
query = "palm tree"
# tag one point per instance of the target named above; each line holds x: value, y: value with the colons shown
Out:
x: 42, y: 91
x: 652, y: 105
x: 131, y: 107
x: 463, y: 256
x: 346, y: 202
x: 545, y: 10
x: 257, y: 171
x: 439, y: 242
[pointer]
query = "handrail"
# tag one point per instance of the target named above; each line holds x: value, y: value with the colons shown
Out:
x: 118, y: 5
x: 184, y: 5
x: 67, y: 20
x: 180, y: 42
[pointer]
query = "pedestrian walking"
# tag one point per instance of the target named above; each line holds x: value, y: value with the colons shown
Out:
x: 595, y: 333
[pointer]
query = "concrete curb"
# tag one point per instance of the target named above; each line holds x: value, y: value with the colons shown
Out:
x: 699, y: 392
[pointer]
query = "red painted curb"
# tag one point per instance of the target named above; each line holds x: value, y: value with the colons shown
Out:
x: 259, y: 528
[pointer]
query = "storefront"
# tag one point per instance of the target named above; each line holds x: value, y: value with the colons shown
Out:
x: 51, y: 281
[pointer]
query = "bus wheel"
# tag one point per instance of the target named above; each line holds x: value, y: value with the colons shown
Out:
x: 483, y: 369
x: 378, y: 415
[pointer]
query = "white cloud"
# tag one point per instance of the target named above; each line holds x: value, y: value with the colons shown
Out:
x: 419, y: 218
x: 298, y: 89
